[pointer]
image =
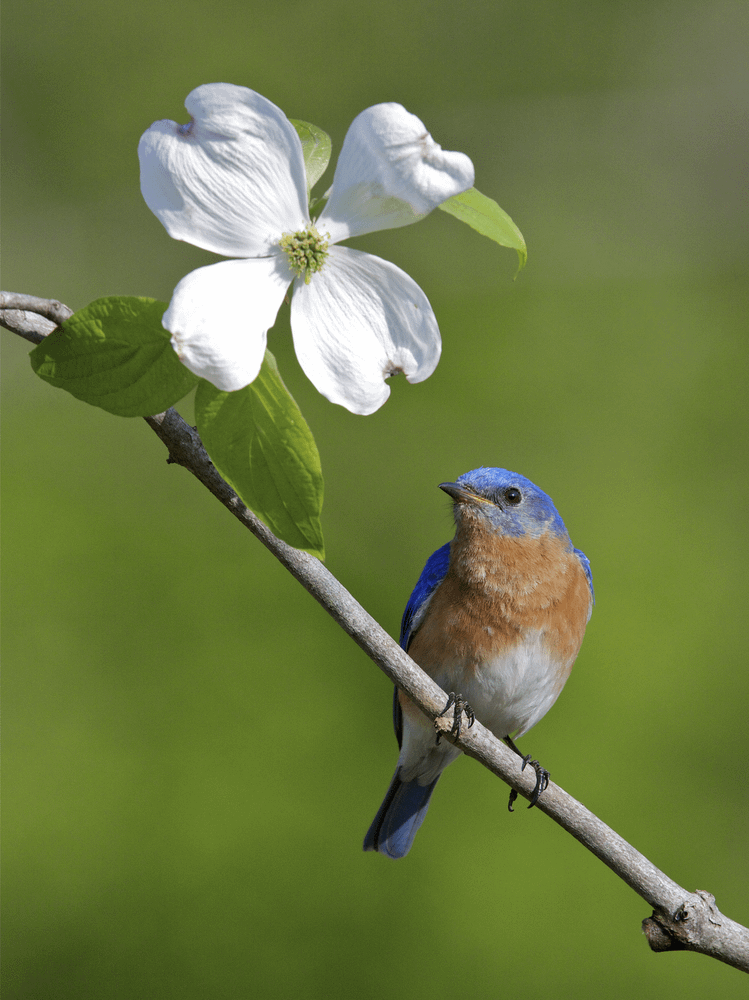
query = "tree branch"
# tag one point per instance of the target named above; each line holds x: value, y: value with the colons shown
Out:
x: 31, y: 317
x: 681, y: 920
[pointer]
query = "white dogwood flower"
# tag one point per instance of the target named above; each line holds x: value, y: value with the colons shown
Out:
x: 233, y: 181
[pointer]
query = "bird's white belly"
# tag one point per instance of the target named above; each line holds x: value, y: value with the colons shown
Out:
x: 511, y: 691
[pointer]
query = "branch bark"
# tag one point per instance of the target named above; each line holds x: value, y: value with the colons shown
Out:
x: 681, y: 920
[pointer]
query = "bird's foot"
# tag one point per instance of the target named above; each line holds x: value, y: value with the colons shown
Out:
x: 542, y: 776
x: 459, y: 706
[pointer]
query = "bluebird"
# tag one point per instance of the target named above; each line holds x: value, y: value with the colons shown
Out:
x: 499, y: 615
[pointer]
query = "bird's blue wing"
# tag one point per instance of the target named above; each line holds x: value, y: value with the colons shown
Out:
x: 431, y: 577
x: 585, y: 563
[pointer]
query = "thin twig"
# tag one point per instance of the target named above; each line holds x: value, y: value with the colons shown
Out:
x: 681, y: 920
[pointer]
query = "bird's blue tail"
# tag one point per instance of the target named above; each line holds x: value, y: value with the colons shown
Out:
x: 399, y: 817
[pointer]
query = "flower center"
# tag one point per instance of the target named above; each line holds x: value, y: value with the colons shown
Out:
x: 307, y: 251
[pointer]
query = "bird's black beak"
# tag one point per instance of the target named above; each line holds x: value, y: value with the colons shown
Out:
x: 462, y: 494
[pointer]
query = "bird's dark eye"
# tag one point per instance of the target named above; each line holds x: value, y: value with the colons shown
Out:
x: 513, y: 496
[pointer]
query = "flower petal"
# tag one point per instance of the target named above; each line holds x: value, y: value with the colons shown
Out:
x: 358, y: 321
x: 390, y: 172
x: 232, y: 180
x: 219, y: 318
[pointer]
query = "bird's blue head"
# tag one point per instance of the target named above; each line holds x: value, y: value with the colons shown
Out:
x: 510, y: 503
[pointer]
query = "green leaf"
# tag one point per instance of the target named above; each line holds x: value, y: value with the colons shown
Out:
x: 115, y: 354
x: 486, y: 217
x: 316, y: 148
x: 261, y: 444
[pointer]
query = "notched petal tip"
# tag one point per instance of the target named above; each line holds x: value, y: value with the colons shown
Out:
x: 391, y: 369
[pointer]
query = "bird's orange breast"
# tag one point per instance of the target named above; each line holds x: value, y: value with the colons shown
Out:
x: 497, y: 591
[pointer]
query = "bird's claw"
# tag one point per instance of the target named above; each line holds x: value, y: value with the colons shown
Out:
x: 458, y: 705
x: 542, y: 782
x: 542, y: 776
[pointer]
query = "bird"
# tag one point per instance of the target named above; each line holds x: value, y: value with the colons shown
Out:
x: 498, y: 615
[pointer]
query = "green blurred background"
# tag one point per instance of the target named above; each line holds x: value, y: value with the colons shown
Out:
x: 193, y: 750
